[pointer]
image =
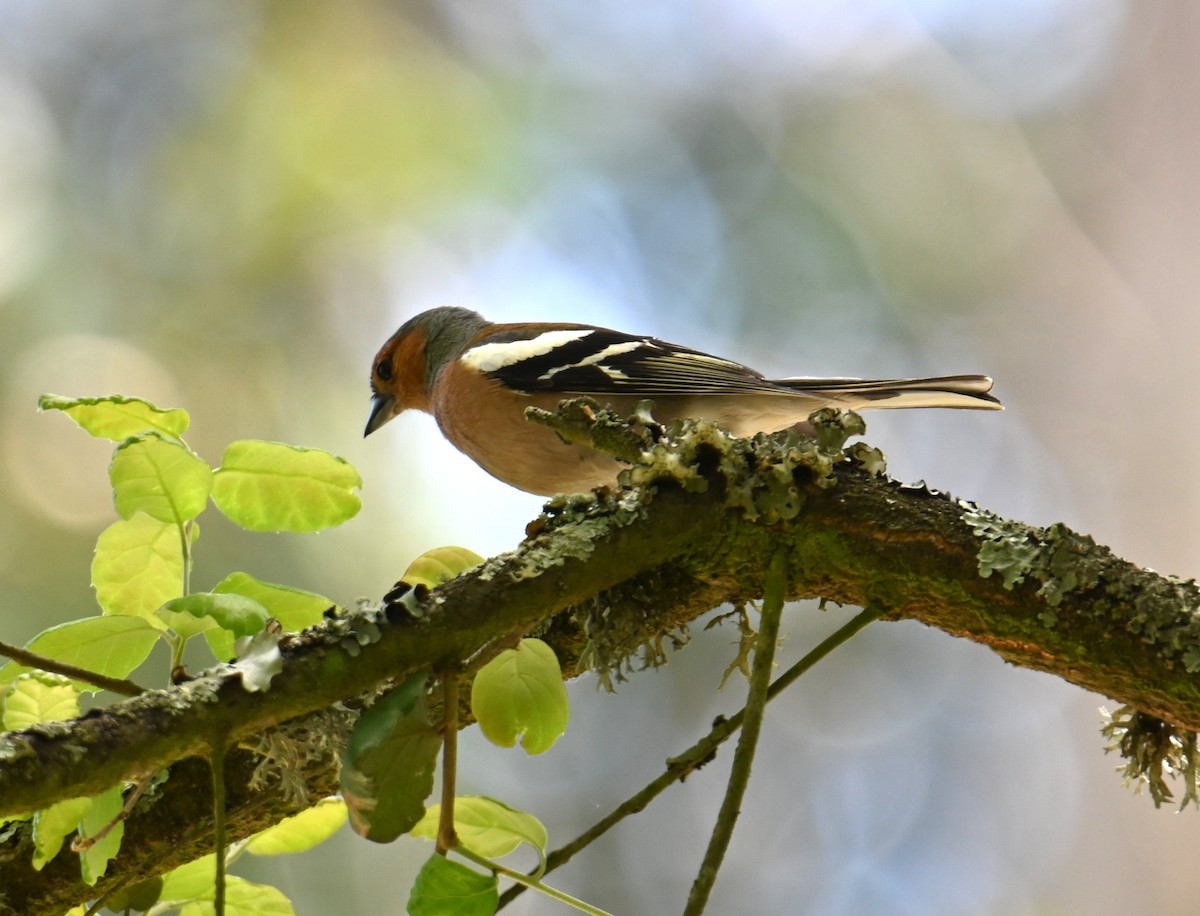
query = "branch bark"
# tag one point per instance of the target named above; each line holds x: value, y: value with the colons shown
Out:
x: 601, y: 578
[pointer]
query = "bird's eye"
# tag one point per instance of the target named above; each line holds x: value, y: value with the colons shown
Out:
x: 384, y: 370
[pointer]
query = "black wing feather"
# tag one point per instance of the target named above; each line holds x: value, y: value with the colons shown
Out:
x: 651, y: 368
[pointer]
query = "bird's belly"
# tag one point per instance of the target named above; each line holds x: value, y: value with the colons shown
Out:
x: 527, y: 455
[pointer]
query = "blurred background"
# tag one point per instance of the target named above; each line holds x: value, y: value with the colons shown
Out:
x: 229, y: 206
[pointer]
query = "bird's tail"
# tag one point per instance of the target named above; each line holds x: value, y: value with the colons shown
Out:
x: 969, y: 392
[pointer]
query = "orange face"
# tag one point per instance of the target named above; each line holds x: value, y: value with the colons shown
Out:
x: 398, y: 378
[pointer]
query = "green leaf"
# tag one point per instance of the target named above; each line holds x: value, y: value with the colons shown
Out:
x: 112, y: 646
x: 221, y: 643
x: 161, y: 477
x: 244, y: 898
x: 138, y: 566
x: 40, y: 697
x: 220, y: 617
x: 301, y: 831
x: 294, y: 608
x: 93, y: 862
x: 387, y: 771
x: 487, y: 827
x: 193, y: 881
x: 445, y: 888
x: 440, y: 565
x: 520, y: 695
x: 268, y: 486
x: 139, y: 896
x: 196, y: 613
x: 53, y: 825
x: 118, y: 417
x: 191, y: 889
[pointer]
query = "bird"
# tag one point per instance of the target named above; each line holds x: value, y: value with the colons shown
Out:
x: 476, y: 378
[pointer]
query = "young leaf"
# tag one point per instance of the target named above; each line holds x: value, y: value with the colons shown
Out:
x: 118, y: 417
x: 54, y: 824
x: 138, y: 566
x: 112, y: 646
x: 221, y: 643
x: 294, y: 608
x: 445, y: 888
x: 192, y: 881
x: 520, y: 694
x: 268, y: 486
x: 40, y: 697
x: 301, y: 831
x: 440, y: 565
x: 387, y: 771
x: 487, y: 827
x: 189, y: 888
x: 137, y: 897
x: 244, y: 898
x: 161, y: 477
x: 196, y: 613
x: 105, y: 807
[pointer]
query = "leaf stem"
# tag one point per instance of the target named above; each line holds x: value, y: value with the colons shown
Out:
x: 529, y: 882
x: 446, y: 837
x: 185, y: 544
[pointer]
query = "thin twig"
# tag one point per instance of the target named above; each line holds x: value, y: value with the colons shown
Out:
x: 527, y: 881
x: 682, y: 765
x: 446, y: 837
x: 33, y: 660
x: 743, y: 755
x: 84, y: 843
x: 217, y: 764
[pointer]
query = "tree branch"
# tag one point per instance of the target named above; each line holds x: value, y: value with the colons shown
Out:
x: 602, y: 577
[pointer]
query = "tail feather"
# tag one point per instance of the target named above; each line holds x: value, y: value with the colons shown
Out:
x: 970, y: 392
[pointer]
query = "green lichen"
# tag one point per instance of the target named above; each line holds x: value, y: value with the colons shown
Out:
x: 768, y: 478
x: 1061, y: 560
x: 1065, y: 563
x: 1155, y: 752
x: 747, y: 639
x: 578, y: 521
x: 286, y: 751
x: 833, y: 428
x: 202, y: 689
x: 1191, y: 659
x: 677, y: 454
x: 869, y: 459
x: 765, y: 476
x: 613, y: 648
x: 1008, y: 548
x: 584, y: 421
x: 1071, y: 564
x: 15, y: 747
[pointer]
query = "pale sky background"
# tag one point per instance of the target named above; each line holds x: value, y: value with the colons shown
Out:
x: 229, y: 206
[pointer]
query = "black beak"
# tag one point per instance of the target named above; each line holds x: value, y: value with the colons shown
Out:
x: 381, y: 412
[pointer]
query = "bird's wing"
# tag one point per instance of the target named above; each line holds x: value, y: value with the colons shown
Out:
x: 597, y: 361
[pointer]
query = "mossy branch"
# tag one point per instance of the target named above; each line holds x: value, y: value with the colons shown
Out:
x: 697, y: 529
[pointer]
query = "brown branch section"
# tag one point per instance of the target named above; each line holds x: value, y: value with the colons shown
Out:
x: 602, y: 578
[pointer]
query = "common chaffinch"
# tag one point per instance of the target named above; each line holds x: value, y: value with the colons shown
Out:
x: 477, y: 378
